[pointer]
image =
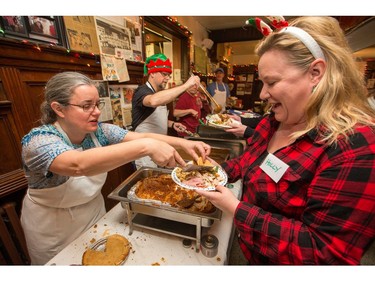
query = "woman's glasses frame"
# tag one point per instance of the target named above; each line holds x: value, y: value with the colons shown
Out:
x: 90, y: 107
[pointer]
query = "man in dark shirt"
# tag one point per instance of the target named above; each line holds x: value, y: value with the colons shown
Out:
x: 149, y: 103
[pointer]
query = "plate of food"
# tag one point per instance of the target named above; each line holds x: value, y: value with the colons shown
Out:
x: 221, y: 121
x: 203, y: 179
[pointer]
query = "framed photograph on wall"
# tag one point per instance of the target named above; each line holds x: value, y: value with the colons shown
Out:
x: 14, y: 25
x: 35, y: 28
x: 43, y: 26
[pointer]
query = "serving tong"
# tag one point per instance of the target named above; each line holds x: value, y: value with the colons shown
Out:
x: 218, y: 107
x: 190, y: 134
x: 193, y: 167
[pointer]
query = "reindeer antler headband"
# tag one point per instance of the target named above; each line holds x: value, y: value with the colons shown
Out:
x: 278, y: 22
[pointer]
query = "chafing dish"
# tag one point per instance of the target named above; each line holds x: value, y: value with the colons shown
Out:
x: 179, y: 222
x: 235, y: 147
x: 219, y: 154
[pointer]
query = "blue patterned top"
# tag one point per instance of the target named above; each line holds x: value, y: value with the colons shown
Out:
x: 43, y: 144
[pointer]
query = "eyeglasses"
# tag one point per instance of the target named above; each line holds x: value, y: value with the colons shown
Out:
x: 165, y: 74
x: 90, y: 107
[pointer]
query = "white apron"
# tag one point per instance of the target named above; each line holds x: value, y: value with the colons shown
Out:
x: 220, y: 97
x: 157, y: 123
x: 54, y: 217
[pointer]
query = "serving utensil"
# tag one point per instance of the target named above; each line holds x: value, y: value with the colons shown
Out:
x: 218, y: 107
x: 193, y: 167
x: 190, y: 134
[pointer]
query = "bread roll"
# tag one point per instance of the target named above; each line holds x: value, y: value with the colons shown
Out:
x: 201, y: 163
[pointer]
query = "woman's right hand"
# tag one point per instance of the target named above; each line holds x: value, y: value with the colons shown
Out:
x: 163, y: 154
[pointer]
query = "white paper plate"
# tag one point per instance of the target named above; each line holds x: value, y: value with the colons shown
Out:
x: 221, y: 126
x: 220, y: 171
x: 250, y: 115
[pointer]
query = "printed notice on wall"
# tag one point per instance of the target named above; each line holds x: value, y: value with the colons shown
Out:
x: 103, y: 89
x: 81, y: 34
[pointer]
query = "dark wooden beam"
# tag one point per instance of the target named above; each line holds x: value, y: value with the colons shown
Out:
x: 246, y: 33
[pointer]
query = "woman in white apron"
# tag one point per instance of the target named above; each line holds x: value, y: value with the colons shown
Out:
x: 65, y: 211
x: 66, y: 161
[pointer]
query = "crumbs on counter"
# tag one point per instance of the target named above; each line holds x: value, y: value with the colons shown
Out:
x: 155, y: 263
x: 106, y: 233
x: 95, y: 226
x: 92, y: 240
x: 218, y: 259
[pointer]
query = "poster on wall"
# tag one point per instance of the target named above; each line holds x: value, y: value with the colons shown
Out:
x: 81, y: 34
x: 114, y: 69
x: 117, y: 112
x: 113, y: 38
x: 122, y: 96
x: 103, y: 89
x: 134, y: 26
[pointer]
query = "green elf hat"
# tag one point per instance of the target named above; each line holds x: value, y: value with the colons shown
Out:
x: 157, y: 63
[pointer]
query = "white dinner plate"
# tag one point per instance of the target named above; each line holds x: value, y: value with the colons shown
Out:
x: 222, y: 126
x: 222, y: 174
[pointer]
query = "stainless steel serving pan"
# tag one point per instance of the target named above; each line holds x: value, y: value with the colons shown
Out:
x: 165, y: 212
x: 235, y: 147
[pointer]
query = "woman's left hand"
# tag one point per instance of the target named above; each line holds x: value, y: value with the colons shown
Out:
x: 237, y: 129
x: 222, y: 198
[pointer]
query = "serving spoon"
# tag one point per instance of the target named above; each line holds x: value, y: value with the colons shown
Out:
x: 218, y: 107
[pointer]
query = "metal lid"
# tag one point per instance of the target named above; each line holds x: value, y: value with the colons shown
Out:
x: 187, y: 243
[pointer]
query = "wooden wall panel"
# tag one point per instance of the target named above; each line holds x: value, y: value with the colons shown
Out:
x: 24, y: 71
x: 10, y: 156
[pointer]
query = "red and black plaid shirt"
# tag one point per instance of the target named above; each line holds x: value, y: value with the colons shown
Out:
x: 322, y: 211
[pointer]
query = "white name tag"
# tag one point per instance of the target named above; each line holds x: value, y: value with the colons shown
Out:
x: 274, y: 167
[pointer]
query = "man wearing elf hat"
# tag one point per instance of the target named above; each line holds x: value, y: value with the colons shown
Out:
x: 149, y: 103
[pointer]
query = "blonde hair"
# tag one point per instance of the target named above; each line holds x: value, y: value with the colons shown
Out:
x: 339, y: 100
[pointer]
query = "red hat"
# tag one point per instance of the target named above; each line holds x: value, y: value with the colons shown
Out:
x: 157, y: 63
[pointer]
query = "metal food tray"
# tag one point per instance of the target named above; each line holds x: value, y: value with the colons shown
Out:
x: 236, y: 147
x: 219, y: 154
x: 180, y: 222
